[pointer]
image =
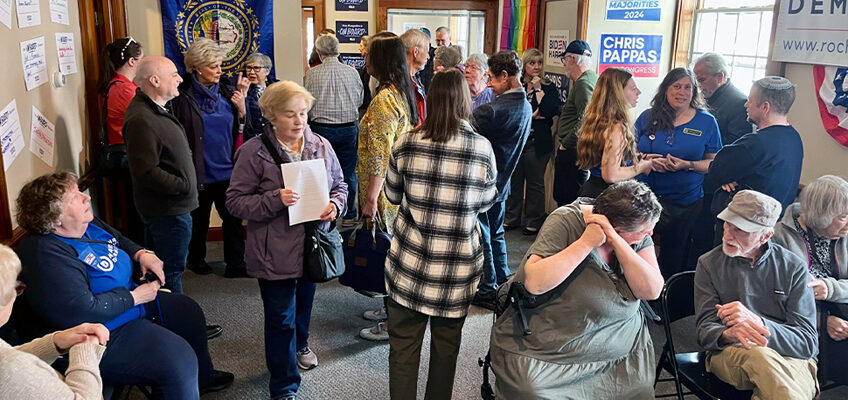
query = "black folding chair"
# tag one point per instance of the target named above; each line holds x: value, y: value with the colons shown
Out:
x: 688, y: 369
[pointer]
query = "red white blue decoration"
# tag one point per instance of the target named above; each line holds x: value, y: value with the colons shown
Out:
x: 832, y: 96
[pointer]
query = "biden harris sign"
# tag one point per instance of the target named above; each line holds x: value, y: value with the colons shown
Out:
x: 639, y: 54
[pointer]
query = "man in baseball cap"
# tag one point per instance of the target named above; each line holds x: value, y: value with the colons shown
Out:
x: 756, y: 317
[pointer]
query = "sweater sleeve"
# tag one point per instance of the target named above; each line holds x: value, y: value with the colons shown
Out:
x: 730, y: 165
x: 23, y: 377
x: 797, y: 336
x: 43, y: 348
x: 708, y: 323
x: 483, y: 117
x: 549, y: 106
x: 58, y: 288
x: 837, y: 290
x: 143, y: 151
x: 394, y: 179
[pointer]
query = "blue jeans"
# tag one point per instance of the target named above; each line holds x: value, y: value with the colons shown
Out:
x: 288, y: 308
x: 169, y: 352
x: 169, y: 236
x: 495, y: 268
x: 345, y: 142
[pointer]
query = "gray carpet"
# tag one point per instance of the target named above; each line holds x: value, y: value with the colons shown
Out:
x: 349, y: 367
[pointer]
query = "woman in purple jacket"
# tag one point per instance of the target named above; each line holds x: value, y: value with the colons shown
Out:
x: 274, y: 249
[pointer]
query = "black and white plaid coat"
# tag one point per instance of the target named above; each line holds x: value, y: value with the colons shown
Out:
x: 435, y: 259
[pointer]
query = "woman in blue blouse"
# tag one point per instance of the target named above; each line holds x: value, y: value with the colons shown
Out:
x: 681, y: 139
x: 78, y: 269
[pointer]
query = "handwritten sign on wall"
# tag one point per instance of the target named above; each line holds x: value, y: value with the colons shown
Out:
x: 67, y: 54
x: 34, y: 62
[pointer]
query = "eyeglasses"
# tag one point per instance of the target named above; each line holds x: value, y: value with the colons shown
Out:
x: 253, y: 68
x: 620, y: 286
x: 19, y: 288
x: 129, y: 40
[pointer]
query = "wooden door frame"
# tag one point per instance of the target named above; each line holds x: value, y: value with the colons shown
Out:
x: 489, y: 8
x: 318, y: 6
x: 582, y: 21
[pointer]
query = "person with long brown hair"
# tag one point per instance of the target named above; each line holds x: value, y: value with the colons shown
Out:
x: 606, y: 145
x: 442, y: 174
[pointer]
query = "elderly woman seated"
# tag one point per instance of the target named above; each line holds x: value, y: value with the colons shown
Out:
x: 576, y: 330
x: 817, y: 230
x: 78, y: 269
x: 25, y: 372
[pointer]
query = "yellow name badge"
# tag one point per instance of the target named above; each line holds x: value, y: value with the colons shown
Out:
x: 693, y: 132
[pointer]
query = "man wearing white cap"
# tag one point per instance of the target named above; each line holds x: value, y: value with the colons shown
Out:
x: 755, y: 312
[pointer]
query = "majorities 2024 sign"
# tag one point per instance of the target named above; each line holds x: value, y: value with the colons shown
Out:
x: 639, y: 54
x: 633, y: 10
x: 351, y: 31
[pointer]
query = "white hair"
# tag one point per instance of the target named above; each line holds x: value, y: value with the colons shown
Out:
x: 327, y: 45
x: 823, y: 200
x: 582, y: 60
x: 714, y: 63
x: 480, y: 59
x: 10, y: 267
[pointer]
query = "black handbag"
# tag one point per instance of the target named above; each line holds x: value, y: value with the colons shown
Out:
x: 365, y: 255
x: 112, y: 158
x: 323, y: 257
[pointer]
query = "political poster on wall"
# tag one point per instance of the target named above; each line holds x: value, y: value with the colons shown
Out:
x: 351, y: 5
x: 351, y: 31
x: 639, y: 54
x: 812, y: 32
x: 555, y: 45
x: 240, y: 27
x: 355, y: 60
x: 561, y: 83
x: 633, y: 10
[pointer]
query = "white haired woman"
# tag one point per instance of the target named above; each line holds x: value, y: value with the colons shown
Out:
x: 214, y: 117
x: 476, y: 67
x: 257, y: 66
x: 816, y: 229
x: 25, y: 371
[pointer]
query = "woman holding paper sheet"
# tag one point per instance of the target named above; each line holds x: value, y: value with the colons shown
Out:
x: 274, y: 248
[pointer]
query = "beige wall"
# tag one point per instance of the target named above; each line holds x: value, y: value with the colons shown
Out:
x: 331, y: 16
x: 64, y: 106
x: 822, y: 154
x: 144, y: 18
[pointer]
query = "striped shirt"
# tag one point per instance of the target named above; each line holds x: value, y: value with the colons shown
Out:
x: 338, y: 92
x: 435, y: 259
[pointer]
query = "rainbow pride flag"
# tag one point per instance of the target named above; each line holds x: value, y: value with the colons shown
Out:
x: 518, y: 29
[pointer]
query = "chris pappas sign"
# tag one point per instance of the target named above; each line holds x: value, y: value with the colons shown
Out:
x: 639, y: 54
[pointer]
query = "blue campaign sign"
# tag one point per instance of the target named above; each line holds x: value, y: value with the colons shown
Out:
x: 633, y: 10
x: 355, y: 60
x: 351, y: 5
x: 351, y: 31
x: 639, y: 54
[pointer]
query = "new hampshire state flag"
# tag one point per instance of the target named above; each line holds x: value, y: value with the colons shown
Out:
x: 240, y: 27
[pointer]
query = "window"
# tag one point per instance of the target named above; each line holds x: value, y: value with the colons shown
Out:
x: 739, y: 31
x: 467, y: 27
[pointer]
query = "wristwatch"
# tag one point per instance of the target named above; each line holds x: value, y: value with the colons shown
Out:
x: 691, y: 165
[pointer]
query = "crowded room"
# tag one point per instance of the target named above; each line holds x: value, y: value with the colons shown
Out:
x: 397, y: 199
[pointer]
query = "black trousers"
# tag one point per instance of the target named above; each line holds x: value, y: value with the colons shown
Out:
x: 567, y: 177
x: 215, y: 193
x: 675, y: 233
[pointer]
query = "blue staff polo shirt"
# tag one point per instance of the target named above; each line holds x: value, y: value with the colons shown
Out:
x: 690, y: 142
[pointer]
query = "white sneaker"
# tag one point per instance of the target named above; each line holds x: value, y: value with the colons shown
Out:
x: 376, y: 315
x: 306, y: 359
x: 377, y: 333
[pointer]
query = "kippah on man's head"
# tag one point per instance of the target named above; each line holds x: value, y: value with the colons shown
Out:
x: 775, y: 83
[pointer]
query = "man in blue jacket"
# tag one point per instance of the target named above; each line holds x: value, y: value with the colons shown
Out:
x: 506, y: 123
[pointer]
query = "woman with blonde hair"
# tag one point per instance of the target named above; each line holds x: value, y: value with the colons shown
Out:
x: 607, y: 144
x: 258, y: 194
x: 544, y: 99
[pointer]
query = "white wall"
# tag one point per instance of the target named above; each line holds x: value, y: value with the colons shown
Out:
x: 822, y: 154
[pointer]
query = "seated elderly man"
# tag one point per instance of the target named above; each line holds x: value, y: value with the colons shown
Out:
x: 755, y: 313
x: 816, y: 229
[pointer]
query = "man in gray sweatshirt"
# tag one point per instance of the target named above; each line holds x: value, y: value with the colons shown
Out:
x: 756, y: 316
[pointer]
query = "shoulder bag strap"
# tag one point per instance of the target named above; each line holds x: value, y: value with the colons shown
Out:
x: 104, y: 114
x: 270, y: 146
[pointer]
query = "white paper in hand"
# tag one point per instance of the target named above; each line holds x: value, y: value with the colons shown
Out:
x: 309, y: 180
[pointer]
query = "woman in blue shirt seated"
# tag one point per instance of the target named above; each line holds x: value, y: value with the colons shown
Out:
x: 78, y: 269
x: 681, y: 139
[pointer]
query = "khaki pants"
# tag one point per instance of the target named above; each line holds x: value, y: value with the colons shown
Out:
x: 769, y: 374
